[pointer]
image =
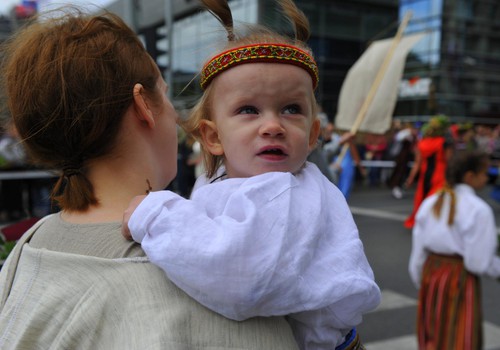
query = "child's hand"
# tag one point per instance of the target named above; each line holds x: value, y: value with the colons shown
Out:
x: 134, y: 203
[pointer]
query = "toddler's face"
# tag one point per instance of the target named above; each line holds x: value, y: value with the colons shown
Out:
x: 262, y: 118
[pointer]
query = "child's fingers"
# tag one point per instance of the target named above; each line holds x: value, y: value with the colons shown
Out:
x: 126, y: 232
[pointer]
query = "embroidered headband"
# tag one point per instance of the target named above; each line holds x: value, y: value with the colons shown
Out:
x: 271, y: 53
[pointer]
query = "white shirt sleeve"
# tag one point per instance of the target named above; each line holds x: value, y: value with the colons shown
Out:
x: 274, y: 244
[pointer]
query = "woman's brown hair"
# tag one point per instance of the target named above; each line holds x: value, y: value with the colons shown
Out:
x: 68, y: 81
x: 257, y: 35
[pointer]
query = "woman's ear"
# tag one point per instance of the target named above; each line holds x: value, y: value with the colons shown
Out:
x: 210, y: 137
x: 142, y: 108
x: 314, y: 134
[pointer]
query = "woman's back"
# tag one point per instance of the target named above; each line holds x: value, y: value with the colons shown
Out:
x: 77, y: 301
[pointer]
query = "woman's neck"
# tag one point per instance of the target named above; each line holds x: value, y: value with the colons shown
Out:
x: 114, y: 187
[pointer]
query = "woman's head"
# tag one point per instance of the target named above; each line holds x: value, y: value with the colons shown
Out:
x: 68, y: 82
x: 271, y: 98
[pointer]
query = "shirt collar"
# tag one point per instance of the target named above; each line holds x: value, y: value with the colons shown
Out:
x: 464, y: 188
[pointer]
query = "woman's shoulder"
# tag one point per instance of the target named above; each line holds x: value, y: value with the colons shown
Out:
x: 93, y: 239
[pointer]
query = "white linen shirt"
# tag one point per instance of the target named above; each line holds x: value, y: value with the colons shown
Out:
x: 472, y: 235
x: 272, y: 244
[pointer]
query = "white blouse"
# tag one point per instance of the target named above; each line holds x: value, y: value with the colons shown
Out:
x: 473, y: 234
x: 272, y: 244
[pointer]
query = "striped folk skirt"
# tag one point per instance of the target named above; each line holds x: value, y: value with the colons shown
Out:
x: 449, y: 310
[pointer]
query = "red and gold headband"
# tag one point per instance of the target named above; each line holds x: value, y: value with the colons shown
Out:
x: 271, y: 53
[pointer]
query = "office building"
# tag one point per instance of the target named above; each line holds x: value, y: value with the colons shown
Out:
x: 455, y: 69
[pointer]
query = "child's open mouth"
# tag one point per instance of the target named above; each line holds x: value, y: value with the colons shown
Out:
x: 273, y: 151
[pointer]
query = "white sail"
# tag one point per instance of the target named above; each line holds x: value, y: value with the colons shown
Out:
x: 361, y: 77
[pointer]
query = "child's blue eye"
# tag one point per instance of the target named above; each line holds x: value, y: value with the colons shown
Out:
x: 247, y: 110
x: 292, y: 109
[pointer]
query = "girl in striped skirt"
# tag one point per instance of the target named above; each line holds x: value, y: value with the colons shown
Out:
x: 454, y: 242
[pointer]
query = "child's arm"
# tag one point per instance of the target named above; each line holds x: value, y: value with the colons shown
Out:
x: 268, y: 246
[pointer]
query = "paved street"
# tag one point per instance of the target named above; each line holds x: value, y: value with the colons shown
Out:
x: 387, y: 243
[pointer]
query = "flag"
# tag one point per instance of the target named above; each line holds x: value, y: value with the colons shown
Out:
x: 359, y: 81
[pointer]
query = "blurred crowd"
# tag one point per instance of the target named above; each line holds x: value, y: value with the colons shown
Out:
x: 387, y: 160
x: 346, y: 159
x: 20, y: 198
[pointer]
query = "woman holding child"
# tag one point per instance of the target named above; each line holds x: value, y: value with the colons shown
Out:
x: 87, y: 99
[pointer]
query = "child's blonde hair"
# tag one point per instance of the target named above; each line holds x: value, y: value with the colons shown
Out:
x: 258, y: 35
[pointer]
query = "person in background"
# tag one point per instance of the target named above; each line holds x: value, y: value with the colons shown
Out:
x: 344, y: 165
x: 185, y: 178
x: 88, y: 100
x: 329, y: 146
x: 196, y: 159
x: 375, y: 149
x: 402, y: 152
x: 454, y: 243
x: 431, y: 156
x: 484, y: 137
x: 495, y: 166
x: 22, y: 200
x: 12, y: 152
x: 12, y: 157
x: 465, y: 139
x: 278, y: 237
x: 318, y: 154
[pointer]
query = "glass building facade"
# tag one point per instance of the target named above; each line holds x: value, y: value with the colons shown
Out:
x: 455, y: 69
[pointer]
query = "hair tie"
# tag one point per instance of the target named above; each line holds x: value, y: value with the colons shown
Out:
x: 71, y: 170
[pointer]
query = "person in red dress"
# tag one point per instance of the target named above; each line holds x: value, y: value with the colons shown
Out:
x: 431, y: 156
